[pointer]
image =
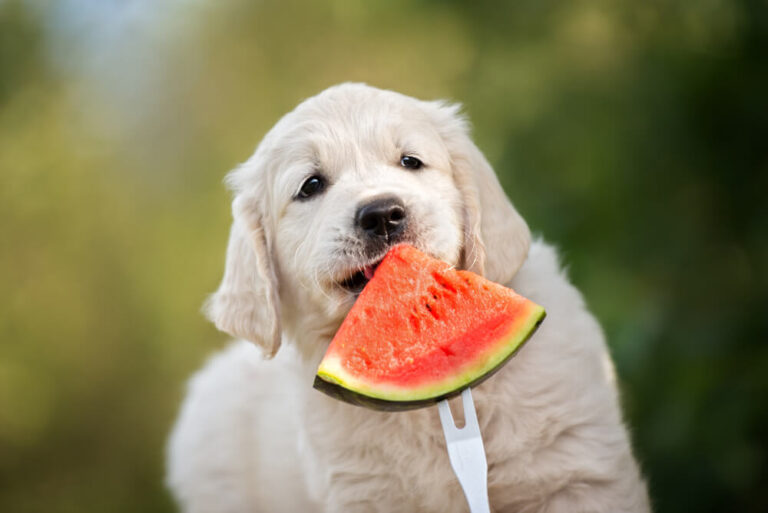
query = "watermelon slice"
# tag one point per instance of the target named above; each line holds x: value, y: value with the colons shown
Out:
x: 421, y: 332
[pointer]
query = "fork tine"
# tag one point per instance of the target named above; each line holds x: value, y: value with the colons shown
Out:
x: 446, y: 419
x: 470, y: 415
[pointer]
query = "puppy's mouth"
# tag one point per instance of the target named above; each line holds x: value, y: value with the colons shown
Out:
x: 356, y: 282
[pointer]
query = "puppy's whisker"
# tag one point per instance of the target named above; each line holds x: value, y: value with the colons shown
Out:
x: 314, y: 284
x: 316, y: 277
x: 299, y: 250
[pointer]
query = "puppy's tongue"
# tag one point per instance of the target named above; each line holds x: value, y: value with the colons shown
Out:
x: 368, y: 271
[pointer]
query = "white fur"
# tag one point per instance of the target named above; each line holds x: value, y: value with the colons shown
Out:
x: 254, y: 436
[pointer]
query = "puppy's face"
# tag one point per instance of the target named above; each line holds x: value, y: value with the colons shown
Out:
x: 336, y: 183
x: 352, y: 178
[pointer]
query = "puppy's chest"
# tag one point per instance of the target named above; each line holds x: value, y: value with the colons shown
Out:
x: 406, y: 443
x: 405, y: 453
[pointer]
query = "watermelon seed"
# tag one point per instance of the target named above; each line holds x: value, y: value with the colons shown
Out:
x: 429, y: 307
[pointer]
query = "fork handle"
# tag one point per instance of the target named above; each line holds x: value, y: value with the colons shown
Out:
x: 478, y: 501
x: 479, y: 505
x: 473, y: 478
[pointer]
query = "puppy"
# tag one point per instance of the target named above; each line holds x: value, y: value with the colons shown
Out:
x: 331, y: 187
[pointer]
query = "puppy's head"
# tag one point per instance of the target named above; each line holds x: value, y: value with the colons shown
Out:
x: 331, y: 188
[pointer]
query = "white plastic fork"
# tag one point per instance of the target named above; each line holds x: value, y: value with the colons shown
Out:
x: 465, y: 449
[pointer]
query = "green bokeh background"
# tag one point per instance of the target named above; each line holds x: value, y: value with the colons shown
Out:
x: 632, y: 134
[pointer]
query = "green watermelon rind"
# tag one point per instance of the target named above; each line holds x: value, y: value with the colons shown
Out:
x: 401, y: 399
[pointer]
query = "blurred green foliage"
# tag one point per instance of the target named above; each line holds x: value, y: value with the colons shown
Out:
x: 631, y: 134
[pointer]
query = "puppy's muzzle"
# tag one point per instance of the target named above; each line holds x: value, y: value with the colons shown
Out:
x: 382, y: 219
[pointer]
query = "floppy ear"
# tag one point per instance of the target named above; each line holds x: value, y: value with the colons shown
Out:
x: 246, y: 305
x: 496, y: 238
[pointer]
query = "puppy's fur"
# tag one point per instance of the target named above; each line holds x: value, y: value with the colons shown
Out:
x: 254, y: 436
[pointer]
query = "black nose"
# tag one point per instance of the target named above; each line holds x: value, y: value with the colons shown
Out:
x: 382, y: 217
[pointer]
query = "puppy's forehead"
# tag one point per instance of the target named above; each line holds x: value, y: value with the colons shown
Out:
x: 338, y: 130
x: 351, y: 128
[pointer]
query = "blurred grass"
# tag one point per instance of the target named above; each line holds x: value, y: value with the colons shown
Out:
x: 629, y: 133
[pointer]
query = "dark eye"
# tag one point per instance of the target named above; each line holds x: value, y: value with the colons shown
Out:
x: 409, y: 162
x: 311, y: 186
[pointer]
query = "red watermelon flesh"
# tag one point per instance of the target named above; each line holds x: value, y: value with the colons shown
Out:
x: 422, y: 331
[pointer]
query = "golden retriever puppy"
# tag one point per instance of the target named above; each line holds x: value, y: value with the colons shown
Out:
x: 331, y: 187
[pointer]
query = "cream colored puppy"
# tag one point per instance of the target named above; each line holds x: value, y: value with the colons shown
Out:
x: 331, y: 187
